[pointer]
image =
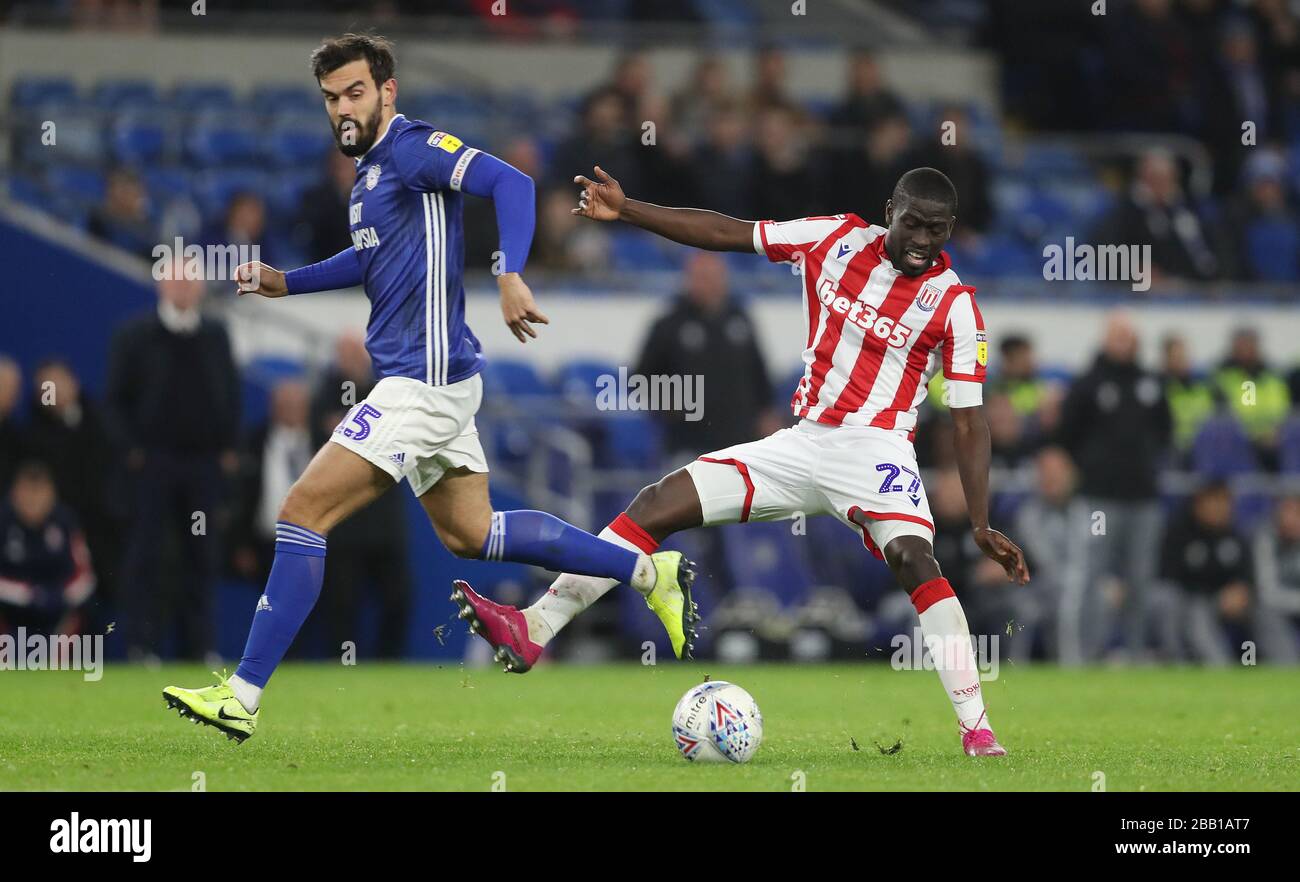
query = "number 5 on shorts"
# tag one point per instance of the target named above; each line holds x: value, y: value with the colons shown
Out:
x: 360, y: 417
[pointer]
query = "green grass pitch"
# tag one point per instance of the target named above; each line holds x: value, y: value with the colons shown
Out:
x: 427, y: 727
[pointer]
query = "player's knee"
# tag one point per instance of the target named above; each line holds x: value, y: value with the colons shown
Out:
x: 912, y: 561
x: 465, y: 539
x: 644, y: 504
x: 655, y: 508
x: 463, y: 545
x: 303, y: 507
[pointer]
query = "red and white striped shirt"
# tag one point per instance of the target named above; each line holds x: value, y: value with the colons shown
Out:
x: 875, y: 337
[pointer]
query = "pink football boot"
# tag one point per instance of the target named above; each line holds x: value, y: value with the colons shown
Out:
x: 502, y: 626
x: 978, y: 741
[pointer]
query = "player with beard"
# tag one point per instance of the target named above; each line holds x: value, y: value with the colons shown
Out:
x: 884, y: 312
x: 418, y: 421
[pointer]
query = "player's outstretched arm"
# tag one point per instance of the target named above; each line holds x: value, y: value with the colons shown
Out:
x: 974, y: 454
x: 343, y: 270
x: 604, y: 200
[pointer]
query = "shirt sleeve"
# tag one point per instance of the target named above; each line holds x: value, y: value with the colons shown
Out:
x: 784, y: 241
x: 965, y: 351
x: 343, y: 270
x: 429, y: 161
x: 512, y: 194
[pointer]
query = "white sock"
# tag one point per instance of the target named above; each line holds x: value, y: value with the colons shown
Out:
x: 570, y: 595
x: 248, y: 694
x: 947, y: 637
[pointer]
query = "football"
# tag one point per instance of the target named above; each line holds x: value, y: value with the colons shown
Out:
x: 717, y: 722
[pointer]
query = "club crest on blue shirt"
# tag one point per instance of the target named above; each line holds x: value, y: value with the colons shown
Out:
x: 929, y: 298
x: 372, y: 176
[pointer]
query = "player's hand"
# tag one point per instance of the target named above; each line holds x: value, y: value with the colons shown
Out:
x: 518, y: 307
x: 258, y: 278
x: 999, y: 548
x: 599, y: 201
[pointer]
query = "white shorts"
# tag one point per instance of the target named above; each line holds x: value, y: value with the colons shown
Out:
x: 866, y: 477
x: 416, y: 431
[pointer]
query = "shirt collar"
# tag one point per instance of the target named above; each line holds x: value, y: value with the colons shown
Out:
x: 396, y: 117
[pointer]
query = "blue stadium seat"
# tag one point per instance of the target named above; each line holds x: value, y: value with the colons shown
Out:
x: 1046, y: 216
x: 577, y: 380
x: 276, y: 98
x: 138, y: 138
x: 1053, y: 161
x: 513, y: 379
x: 1222, y: 449
x: 116, y: 95
x: 1088, y: 201
x: 31, y: 92
x: 997, y: 255
x: 294, y: 141
x: 259, y: 378
x: 216, y: 139
x: 78, y: 138
x: 86, y: 185
x: 214, y: 189
x: 769, y: 556
x: 193, y: 97
x: 23, y: 189
x: 165, y: 183
x: 632, y: 439
x: 1010, y: 195
x: 286, y: 189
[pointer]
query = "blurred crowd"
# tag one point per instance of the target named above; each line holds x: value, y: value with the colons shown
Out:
x: 1158, y: 507
x: 1155, y: 505
x: 1205, y: 70
x: 130, y: 509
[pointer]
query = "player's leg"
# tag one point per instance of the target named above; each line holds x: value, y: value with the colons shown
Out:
x: 946, y: 636
x: 658, y: 511
x: 337, y: 482
x: 871, y: 482
x: 460, y: 510
x: 761, y: 480
x: 461, y: 513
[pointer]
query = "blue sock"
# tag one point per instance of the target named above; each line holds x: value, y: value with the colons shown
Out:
x: 543, y: 540
x: 291, y: 592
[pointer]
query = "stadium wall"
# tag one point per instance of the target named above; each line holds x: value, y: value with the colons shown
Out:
x: 612, y: 328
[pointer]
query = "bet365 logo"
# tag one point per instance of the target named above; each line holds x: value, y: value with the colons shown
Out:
x: 862, y: 315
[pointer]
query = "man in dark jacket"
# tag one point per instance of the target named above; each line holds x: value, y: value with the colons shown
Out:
x: 708, y: 335
x: 174, y: 392
x: 1116, y: 426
